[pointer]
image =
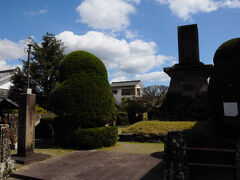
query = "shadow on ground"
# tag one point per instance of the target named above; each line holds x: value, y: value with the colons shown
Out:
x: 155, y: 173
x: 158, y: 155
x: 17, y: 176
x: 44, y: 143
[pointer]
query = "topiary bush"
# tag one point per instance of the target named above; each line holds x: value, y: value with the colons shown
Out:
x: 82, y: 61
x: 94, y: 137
x: 224, y: 80
x: 84, y: 97
x: 87, y: 98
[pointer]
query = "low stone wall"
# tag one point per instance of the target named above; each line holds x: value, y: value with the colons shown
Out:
x: 197, y: 163
x: 13, y: 123
x: 175, y: 157
x: 6, y: 163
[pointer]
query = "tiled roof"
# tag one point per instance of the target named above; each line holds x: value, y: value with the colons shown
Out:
x: 125, y: 83
x: 6, y: 73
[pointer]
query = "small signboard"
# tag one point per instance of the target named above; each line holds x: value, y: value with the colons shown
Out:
x: 230, y: 109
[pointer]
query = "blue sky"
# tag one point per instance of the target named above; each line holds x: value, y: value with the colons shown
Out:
x: 134, y: 38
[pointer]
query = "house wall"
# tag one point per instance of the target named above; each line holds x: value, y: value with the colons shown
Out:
x: 119, y: 95
x: 136, y: 89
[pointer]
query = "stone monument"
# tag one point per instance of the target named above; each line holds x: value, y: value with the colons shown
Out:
x: 26, y: 125
x: 186, y: 97
x: 26, y: 131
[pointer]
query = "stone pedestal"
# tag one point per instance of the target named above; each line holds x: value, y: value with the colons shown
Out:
x: 26, y: 131
x: 26, y: 125
x: 186, y: 98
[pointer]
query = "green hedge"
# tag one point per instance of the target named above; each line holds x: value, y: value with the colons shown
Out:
x: 93, y: 138
x: 45, y: 129
x: 122, y: 119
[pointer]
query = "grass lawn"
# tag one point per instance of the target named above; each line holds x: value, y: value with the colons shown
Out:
x: 136, y: 148
x: 157, y: 127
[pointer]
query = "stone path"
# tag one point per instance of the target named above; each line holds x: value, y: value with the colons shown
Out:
x: 94, y: 165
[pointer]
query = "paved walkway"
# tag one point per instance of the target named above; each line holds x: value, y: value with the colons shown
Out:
x: 94, y: 165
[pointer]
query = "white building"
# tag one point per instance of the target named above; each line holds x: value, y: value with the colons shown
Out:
x: 5, y: 81
x: 128, y: 89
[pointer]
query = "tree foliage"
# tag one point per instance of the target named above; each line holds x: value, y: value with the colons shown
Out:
x: 44, y: 70
x: 153, y: 97
x: 150, y: 102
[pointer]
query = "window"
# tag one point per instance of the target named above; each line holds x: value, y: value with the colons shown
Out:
x: 128, y: 92
x: 114, y: 91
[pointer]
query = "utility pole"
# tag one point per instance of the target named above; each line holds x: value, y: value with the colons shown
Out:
x: 28, y: 67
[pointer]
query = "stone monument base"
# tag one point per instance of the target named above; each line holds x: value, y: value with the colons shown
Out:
x: 31, y: 158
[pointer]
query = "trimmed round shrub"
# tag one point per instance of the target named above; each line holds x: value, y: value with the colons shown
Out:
x: 84, y: 98
x: 82, y: 61
x: 224, y: 80
x: 94, y: 137
x: 228, y: 53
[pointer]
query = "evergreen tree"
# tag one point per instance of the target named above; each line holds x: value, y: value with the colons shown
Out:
x: 44, y: 70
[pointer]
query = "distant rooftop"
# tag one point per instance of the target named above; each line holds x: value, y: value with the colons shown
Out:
x: 6, y: 73
x: 125, y: 83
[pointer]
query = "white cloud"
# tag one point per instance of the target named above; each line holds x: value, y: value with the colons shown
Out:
x: 106, y: 14
x: 232, y: 3
x: 4, y: 65
x: 186, y: 8
x: 41, y: 11
x: 135, y: 1
x: 132, y: 57
x: 131, y: 34
x: 158, y: 76
x: 174, y: 62
x: 121, y: 78
x: 10, y: 50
